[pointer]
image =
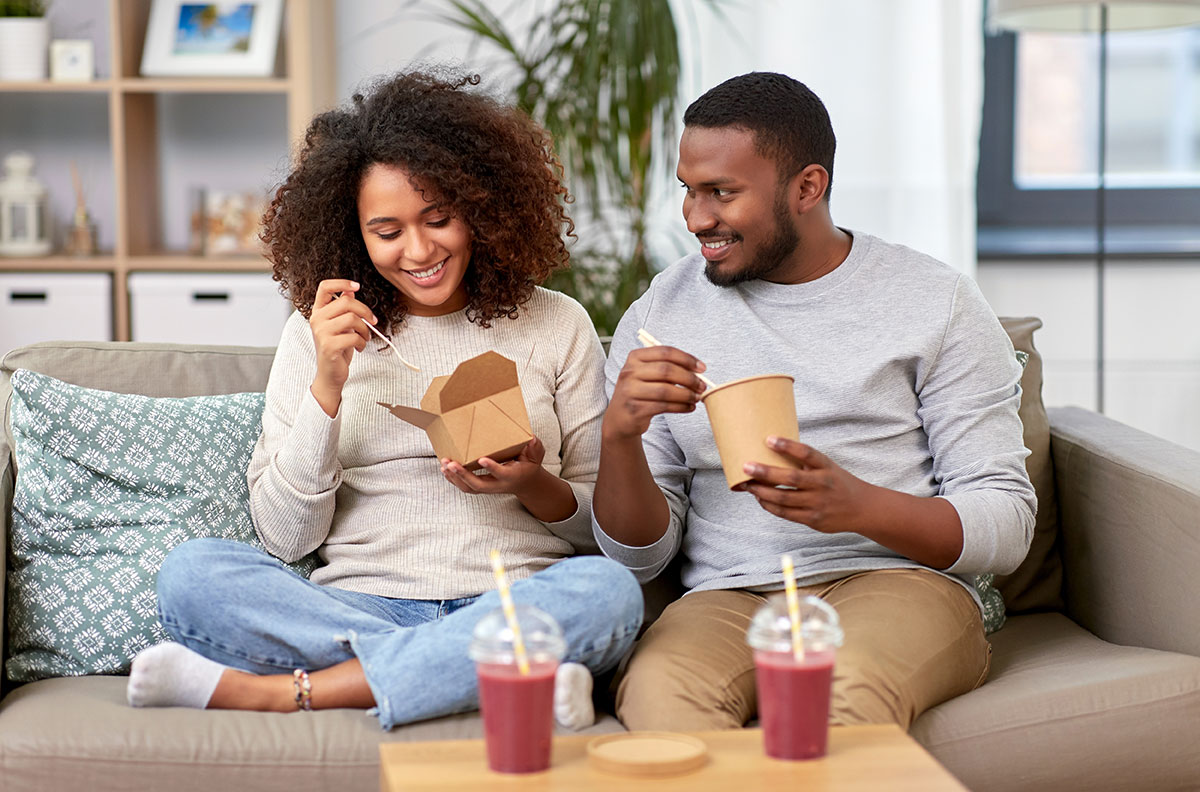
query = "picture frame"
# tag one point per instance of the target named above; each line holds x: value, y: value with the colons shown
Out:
x: 190, y: 39
x: 72, y: 60
x: 226, y: 222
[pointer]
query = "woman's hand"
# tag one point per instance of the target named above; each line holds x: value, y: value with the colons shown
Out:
x: 543, y: 494
x: 338, y: 330
x: 510, y: 477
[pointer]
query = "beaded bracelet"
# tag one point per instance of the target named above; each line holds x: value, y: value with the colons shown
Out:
x: 303, y: 690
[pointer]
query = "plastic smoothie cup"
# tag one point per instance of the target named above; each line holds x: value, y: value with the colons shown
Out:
x: 517, y: 707
x: 794, y: 693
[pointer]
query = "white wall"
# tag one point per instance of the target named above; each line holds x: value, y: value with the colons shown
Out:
x: 1153, y: 365
x: 1152, y: 346
x: 901, y: 79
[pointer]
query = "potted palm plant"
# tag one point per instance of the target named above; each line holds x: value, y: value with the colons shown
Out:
x: 24, y: 39
x: 603, y: 77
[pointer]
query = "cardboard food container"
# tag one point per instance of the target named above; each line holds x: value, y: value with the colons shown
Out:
x: 743, y: 413
x: 478, y: 411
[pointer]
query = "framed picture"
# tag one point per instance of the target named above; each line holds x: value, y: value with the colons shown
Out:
x: 71, y: 60
x: 226, y: 222
x: 187, y: 39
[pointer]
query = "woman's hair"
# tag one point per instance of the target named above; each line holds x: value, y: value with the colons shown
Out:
x: 480, y: 161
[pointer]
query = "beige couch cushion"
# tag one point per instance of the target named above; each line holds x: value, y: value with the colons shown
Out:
x: 49, y: 739
x: 148, y: 369
x: 1037, y: 582
x: 1061, y: 703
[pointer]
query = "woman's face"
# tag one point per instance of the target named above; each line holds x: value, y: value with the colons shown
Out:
x: 417, y: 247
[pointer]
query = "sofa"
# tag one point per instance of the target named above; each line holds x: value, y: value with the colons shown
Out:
x: 1094, y: 681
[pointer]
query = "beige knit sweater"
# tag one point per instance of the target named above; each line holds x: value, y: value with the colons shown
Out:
x: 365, y: 489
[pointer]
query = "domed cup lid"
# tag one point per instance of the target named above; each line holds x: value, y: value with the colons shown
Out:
x: 492, y: 639
x: 771, y: 629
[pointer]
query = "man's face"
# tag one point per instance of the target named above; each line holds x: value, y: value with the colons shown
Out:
x: 736, y: 207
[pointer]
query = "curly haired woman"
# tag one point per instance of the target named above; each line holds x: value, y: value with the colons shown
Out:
x: 430, y: 212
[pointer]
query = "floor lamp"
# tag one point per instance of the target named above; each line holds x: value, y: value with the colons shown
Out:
x: 1094, y: 16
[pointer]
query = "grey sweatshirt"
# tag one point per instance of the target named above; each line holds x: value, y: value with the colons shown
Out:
x: 903, y: 376
x: 365, y: 489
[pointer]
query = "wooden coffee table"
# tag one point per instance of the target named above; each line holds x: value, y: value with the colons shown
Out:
x: 860, y: 758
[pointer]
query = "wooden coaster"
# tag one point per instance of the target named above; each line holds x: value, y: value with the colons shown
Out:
x: 647, y: 754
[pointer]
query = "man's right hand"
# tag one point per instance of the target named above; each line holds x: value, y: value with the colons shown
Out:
x: 338, y: 330
x: 654, y: 380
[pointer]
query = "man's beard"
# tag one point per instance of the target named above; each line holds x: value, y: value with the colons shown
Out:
x: 767, y: 258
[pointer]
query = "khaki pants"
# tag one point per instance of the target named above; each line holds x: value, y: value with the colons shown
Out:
x: 913, y: 640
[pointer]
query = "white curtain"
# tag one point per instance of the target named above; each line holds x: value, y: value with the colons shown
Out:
x: 903, y: 82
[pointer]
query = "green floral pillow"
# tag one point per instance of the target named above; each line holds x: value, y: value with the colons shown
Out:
x: 993, y: 603
x: 107, y: 484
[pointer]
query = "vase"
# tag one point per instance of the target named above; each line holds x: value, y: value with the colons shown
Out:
x: 23, y: 48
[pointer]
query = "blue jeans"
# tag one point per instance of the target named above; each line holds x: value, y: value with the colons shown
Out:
x: 241, y: 607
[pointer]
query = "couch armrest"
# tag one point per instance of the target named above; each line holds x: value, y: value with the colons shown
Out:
x: 1129, y: 517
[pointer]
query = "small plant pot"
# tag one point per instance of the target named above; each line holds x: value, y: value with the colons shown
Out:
x: 24, y: 43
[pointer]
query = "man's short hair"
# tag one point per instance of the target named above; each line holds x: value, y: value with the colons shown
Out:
x: 789, y: 122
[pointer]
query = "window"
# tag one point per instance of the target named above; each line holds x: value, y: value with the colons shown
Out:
x: 1038, y: 148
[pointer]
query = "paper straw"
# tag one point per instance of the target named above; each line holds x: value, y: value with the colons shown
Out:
x: 650, y: 341
x: 510, y: 612
x: 793, y: 606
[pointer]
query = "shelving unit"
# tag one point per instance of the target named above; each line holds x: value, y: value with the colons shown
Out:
x: 304, y: 81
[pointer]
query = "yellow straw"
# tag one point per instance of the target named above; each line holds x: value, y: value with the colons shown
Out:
x: 650, y: 341
x: 510, y: 612
x: 793, y: 606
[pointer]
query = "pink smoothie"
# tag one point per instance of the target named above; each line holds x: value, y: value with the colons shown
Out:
x: 793, y: 703
x: 518, y: 715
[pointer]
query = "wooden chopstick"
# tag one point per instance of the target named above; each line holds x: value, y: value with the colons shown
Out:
x: 650, y: 341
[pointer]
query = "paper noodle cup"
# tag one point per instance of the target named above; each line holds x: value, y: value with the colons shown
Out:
x: 743, y: 413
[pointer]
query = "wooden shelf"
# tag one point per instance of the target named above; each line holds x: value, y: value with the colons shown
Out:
x: 230, y: 85
x: 102, y: 263
x: 182, y: 262
x: 136, y: 138
x: 45, y: 86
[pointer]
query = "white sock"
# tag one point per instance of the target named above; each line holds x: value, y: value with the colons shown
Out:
x: 171, y: 675
x: 573, y: 696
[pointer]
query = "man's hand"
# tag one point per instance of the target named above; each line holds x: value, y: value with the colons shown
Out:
x: 827, y: 498
x: 821, y: 494
x: 654, y: 380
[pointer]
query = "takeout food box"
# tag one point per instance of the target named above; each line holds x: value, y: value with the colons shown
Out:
x: 478, y: 411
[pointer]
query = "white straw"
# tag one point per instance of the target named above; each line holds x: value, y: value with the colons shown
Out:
x: 650, y: 341
x: 389, y: 343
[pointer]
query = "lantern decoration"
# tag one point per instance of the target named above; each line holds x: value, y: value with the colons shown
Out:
x: 23, y: 230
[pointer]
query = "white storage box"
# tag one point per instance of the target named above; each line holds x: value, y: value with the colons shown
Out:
x: 243, y: 308
x: 51, y: 306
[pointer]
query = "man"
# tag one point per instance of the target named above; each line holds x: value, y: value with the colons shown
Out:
x: 911, y: 474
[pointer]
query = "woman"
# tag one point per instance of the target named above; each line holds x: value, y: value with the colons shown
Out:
x: 431, y: 213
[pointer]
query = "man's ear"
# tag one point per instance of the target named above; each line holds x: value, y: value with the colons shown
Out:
x: 807, y: 188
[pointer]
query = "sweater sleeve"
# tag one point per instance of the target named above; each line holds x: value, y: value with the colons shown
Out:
x: 969, y: 397
x: 666, y: 462
x: 294, y: 471
x: 579, y: 403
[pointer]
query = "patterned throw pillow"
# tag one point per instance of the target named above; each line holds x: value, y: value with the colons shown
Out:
x: 107, y: 484
x: 993, y: 603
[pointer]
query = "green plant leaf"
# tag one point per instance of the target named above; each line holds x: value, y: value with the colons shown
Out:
x: 602, y: 76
